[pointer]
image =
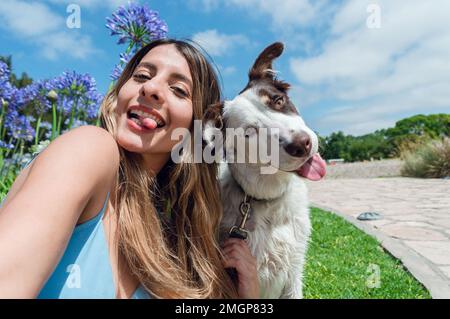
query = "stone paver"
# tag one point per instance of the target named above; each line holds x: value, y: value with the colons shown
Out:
x: 401, y: 231
x: 437, y: 252
x: 416, y: 220
x: 446, y: 270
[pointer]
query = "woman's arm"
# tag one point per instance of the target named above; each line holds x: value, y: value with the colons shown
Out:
x: 37, y: 220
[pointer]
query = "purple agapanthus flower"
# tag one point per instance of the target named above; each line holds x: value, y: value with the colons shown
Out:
x: 19, y: 126
x: 35, y: 95
x: 136, y: 24
x: 78, y: 98
x: 6, y: 89
x: 45, y: 126
x: 76, y: 123
x: 77, y: 93
x: 118, y: 69
x: 5, y: 145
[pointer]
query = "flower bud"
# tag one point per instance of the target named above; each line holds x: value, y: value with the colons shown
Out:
x: 52, y: 96
x: 4, y: 103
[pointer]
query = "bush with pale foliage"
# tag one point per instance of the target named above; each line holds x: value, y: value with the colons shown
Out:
x: 428, y: 160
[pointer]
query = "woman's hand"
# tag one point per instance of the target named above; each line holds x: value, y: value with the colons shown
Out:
x: 237, y: 255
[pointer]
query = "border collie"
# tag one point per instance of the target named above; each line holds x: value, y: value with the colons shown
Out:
x: 278, y: 226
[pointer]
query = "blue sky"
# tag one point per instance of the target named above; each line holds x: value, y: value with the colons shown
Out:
x: 354, y: 65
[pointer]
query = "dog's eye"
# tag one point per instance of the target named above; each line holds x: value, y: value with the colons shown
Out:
x: 278, y: 101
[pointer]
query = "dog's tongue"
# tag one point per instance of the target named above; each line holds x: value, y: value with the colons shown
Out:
x: 314, y: 169
x: 148, y: 123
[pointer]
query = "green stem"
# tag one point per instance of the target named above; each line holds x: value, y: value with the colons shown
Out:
x: 3, y: 186
x: 9, y: 166
x: 38, y: 124
x: 81, y: 116
x: 99, y: 114
x: 2, y: 151
x: 15, y: 149
x: 1, y: 114
x: 72, y: 115
x: 60, y: 116
x: 2, y: 127
x: 54, y: 121
x: 19, y: 144
x: 75, y: 113
x: 130, y: 46
x: 2, y: 175
x: 21, y: 148
x: 3, y: 133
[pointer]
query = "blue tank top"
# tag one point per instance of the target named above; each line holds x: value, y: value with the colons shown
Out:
x: 84, y: 270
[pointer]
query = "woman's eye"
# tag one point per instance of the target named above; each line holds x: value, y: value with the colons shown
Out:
x: 141, y: 77
x: 180, y: 91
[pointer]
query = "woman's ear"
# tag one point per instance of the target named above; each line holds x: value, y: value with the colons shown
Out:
x: 212, y: 121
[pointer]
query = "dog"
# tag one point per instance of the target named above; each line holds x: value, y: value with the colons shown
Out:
x: 278, y: 226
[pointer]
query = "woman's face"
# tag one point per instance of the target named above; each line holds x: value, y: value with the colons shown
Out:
x: 154, y: 101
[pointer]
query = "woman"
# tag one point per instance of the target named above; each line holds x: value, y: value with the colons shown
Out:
x: 106, y: 213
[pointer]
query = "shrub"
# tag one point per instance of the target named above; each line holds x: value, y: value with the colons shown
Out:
x: 428, y: 160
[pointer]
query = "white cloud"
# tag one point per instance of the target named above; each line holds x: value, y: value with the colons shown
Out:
x: 218, y: 44
x: 57, y: 44
x: 380, y: 74
x: 228, y: 70
x: 111, y: 4
x: 283, y: 14
x: 36, y: 23
x: 28, y: 19
x: 383, y: 112
x: 204, y: 5
x: 284, y: 17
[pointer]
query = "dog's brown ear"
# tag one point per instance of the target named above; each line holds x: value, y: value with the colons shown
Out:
x: 213, y: 115
x: 262, y: 67
x: 212, y: 119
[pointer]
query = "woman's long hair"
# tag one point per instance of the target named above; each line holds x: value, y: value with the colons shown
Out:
x: 174, y: 253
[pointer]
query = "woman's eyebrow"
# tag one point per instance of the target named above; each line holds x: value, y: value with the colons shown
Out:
x: 147, y: 65
x: 177, y: 76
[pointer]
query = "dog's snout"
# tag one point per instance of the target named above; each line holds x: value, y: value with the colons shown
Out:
x: 300, y: 145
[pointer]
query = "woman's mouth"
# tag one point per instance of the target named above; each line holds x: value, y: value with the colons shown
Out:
x: 144, y: 119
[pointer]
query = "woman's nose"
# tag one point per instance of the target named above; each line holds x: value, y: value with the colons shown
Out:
x: 152, y: 91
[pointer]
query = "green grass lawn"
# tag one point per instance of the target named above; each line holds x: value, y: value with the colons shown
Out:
x: 344, y: 262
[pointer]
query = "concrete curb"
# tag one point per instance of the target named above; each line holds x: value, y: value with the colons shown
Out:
x: 426, y: 273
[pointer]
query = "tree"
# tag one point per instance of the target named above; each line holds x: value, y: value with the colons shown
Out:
x: 406, y: 134
x: 334, y: 145
x: 418, y: 129
x: 21, y: 82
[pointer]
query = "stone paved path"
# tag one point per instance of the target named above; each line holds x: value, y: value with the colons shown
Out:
x: 416, y: 220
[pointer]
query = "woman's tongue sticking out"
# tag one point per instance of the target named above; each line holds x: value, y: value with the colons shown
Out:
x: 149, y: 123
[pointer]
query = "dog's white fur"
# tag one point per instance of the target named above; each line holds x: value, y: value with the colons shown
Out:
x: 279, y: 225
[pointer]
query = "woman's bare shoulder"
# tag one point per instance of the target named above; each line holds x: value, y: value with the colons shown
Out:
x: 87, y: 150
x: 88, y: 143
x: 84, y: 151
x: 90, y: 137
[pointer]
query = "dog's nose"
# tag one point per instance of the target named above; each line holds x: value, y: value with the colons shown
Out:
x: 300, y: 145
